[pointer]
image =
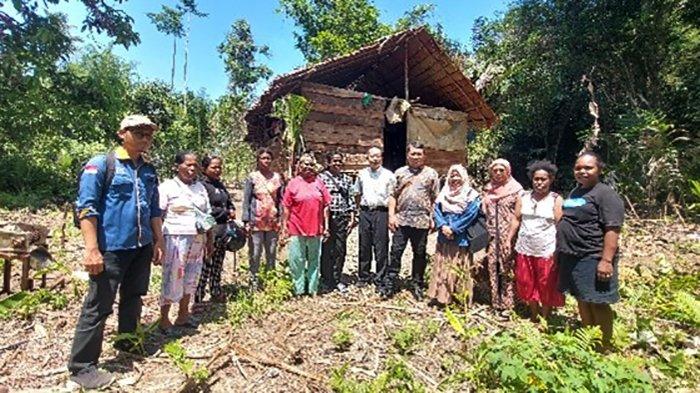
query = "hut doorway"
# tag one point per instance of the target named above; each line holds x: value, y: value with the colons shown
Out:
x: 394, y: 145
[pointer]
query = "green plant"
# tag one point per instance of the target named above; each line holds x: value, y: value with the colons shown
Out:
x: 396, y: 377
x: 342, y: 339
x: 277, y: 287
x: 137, y: 339
x: 459, y: 325
x: 526, y: 360
x: 293, y: 109
x: 406, y: 338
x: 176, y: 352
x: 25, y: 304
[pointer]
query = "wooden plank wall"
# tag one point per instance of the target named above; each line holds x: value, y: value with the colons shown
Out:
x: 339, y: 122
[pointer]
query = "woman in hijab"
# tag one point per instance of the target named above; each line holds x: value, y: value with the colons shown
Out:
x: 501, y: 194
x: 456, y: 208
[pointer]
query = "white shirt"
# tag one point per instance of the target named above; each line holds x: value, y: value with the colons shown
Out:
x: 375, y: 187
x: 179, y: 202
x: 537, y: 236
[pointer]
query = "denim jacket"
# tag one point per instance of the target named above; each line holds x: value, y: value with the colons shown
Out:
x: 457, y: 222
x: 124, y: 214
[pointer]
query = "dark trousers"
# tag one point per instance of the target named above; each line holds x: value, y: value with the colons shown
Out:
x: 333, y: 251
x: 419, y: 239
x: 126, y: 271
x: 211, y: 271
x: 374, y: 236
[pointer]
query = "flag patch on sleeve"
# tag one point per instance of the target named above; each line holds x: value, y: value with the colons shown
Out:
x: 90, y: 169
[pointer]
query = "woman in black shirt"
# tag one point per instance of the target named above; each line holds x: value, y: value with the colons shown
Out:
x: 222, y: 210
x: 587, y: 245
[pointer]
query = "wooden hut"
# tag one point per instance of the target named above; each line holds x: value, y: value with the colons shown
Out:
x: 352, y: 98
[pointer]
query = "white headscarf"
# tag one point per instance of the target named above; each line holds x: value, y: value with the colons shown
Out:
x: 456, y: 199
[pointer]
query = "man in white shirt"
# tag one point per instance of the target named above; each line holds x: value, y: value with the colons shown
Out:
x: 373, y: 187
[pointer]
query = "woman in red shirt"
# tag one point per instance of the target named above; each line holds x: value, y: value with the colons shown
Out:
x: 305, y: 218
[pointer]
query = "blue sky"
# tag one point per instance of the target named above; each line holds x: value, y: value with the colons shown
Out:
x: 206, y: 72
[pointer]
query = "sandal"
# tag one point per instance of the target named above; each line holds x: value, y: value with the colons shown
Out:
x: 189, y: 324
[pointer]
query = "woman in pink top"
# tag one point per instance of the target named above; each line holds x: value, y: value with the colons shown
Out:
x: 305, y: 217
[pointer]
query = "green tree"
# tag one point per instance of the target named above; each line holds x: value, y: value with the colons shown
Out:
x: 169, y: 22
x: 336, y: 27
x: 239, y: 53
x: 188, y: 8
x: 100, y: 18
x: 641, y: 59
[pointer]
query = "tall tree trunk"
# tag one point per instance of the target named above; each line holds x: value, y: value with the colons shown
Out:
x: 172, y: 70
x: 184, y: 69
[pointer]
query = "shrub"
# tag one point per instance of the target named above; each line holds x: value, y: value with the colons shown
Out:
x: 527, y: 360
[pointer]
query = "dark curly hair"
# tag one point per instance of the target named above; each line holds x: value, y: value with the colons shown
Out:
x: 598, y: 158
x: 541, y: 165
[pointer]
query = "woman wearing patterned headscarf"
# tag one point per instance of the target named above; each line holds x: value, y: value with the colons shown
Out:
x: 501, y: 194
x: 305, y: 222
x: 456, y: 208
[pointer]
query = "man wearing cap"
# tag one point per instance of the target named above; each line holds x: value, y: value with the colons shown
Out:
x: 117, y: 208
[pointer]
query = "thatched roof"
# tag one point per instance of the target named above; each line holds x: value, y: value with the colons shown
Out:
x: 433, y: 77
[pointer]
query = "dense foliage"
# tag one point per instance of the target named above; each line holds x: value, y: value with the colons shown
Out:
x: 636, y: 60
x: 60, y: 104
x: 546, y: 67
x: 543, y: 65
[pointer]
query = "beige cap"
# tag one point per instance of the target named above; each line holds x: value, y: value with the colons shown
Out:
x: 133, y: 121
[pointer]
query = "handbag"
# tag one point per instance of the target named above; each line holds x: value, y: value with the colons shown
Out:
x: 203, y: 221
x: 477, y: 234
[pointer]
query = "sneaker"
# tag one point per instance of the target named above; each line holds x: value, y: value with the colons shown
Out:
x: 362, y: 283
x: 92, y: 378
x: 342, y: 288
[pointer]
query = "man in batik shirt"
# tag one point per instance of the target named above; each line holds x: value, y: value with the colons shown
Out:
x: 410, y: 218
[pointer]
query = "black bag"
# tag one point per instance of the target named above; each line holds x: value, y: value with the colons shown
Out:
x: 477, y: 233
x: 109, y: 176
x: 235, y: 237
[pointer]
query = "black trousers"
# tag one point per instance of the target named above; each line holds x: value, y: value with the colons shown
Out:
x: 419, y: 240
x: 334, y: 250
x: 126, y: 271
x: 374, y: 237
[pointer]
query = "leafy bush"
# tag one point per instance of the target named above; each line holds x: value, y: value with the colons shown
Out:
x: 277, y: 288
x: 526, y: 360
x: 406, y: 338
x: 25, y: 304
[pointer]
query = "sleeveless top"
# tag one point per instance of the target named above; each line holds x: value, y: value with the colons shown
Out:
x: 537, y: 236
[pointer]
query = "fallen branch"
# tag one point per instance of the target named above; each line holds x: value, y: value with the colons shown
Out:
x: 246, y: 355
x: 235, y: 360
x: 387, y: 307
x: 631, y: 207
x: 188, y: 384
x: 422, y: 374
x: 54, y: 371
x: 13, y: 345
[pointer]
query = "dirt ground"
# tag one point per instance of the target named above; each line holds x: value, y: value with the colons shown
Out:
x: 290, y: 349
